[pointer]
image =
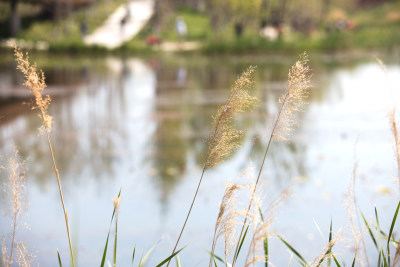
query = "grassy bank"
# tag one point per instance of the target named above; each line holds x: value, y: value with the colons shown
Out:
x: 376, y: 27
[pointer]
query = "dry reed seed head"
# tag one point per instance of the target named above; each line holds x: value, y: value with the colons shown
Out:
x: 4, y: 252
x: 323, y: 254
x: 227, y: 217
x: 396, y: 143
x: 24, y: 258
x: 262, y: 226
x: 299, y: 81
x: 15, y: 185
x: 222, y: 145
x: 35, y: 81
x: 227, y: 201
x: 116, y: 201
x: 225, y: 139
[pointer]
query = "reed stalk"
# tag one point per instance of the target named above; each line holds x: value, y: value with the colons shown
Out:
x: 224, y: 139
x: 291, y: 101
x: 35, y: 81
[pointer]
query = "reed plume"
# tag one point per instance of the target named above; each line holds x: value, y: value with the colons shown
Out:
x: 326, y: 253
x: 225, y: 224
x: 16, y: 191
x: 24, y: 258
x: 353, y: 214
x: 35, y: 81
x: 262, y: 231
x: 294, y: 97
x: 396, y: 137
x: 392, y: 121
x: 224, y: 138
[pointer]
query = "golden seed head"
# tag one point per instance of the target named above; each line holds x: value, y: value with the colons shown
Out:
x: 225, y: 138
x: 116, y: 201
x: 35, y: 81
x: 299, y: 81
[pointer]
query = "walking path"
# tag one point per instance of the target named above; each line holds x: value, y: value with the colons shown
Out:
x: 113, y: 32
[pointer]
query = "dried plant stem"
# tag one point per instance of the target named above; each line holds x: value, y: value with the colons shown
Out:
x: 213, y: 247
x: 396, y: 136
x: 13, y: 238
x: 61, y: 196
x: 187, y: 216
x: 257, y: 180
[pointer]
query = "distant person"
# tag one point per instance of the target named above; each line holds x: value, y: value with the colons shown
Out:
x: 181, y: 28
x: 83, y: 29
x: 125, y: 18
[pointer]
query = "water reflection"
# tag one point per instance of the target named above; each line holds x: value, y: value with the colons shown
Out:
x: 142, y: 124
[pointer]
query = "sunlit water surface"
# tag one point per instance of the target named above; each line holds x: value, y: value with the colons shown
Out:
x: 140, y: 124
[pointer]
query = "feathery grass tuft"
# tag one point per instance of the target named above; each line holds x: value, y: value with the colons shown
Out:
x: 299, y: 81
x: 35, y: 81
x: 225, y: 138
x: 15, y: 188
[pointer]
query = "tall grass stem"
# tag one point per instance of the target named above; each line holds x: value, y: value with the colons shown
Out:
x: 61, y: 197
x: 187, y: 216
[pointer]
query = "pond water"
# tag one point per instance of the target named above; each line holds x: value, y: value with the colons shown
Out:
x: 140, y: 124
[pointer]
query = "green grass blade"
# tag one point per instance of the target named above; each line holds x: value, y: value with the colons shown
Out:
x: 385, y: 236
x: 293, y: 250
x: 391, y: 231
x: 241, y: 242
x: 59, y: 259
x: 103, y: 259
x: 266, y: 251
x: 146, y: 256
x: 217, y: 257
x: 115, y: 242
x: 215, y: 263
x: 261, y: 215
x: 301, y: 263
x: 330, y: 247
x: 170, y: 257
x: 354, y: 260
x: 133, y: 254
x: 370, y: 231
x: 385, y: 263
x: 336, y: 261
x: 178, y: 261
x: 380, y: 239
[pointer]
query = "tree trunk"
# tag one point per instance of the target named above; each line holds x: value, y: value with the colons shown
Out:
x: 14, y: 18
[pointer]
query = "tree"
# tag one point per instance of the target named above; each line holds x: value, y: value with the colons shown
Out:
x: 237, y: 11
x: 14, y: 18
